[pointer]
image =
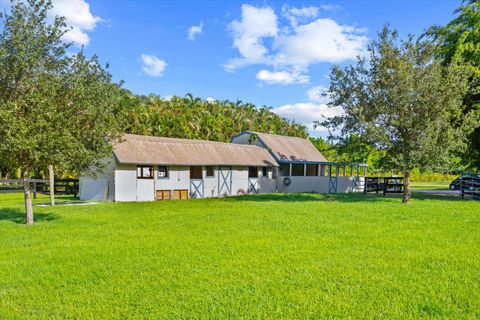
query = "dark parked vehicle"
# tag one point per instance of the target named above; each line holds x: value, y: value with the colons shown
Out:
x: 464, y: 181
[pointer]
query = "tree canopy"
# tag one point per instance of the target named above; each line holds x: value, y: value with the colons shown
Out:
x: 56, y: 107
x: 403, y: 101
x: 192, y: 118
x: 458, y: 42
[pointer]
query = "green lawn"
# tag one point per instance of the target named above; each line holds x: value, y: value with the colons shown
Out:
x: 268, y: 256
x: 436, y: 185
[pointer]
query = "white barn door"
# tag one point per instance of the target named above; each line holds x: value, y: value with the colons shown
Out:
x: 145, y: 190
x: 224, y: 181
x: 253, y: 185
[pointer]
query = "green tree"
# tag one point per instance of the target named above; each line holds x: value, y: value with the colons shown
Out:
x: 352, y: 149
x: 404, y: 101
x: 459, y: 43
x: 192, y: 118
x: 55, y: 108
x: 328, y: 150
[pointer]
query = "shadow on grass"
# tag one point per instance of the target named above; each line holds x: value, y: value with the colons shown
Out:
x: 338, y: 197
x: 18, y: 216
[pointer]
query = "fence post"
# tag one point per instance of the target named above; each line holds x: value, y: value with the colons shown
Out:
x: 385, y: 185
x: 52, y: 185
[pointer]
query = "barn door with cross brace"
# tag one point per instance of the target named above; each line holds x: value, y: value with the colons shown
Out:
x: 332, y: 180
x: 252, y: 185
x: 224, y: 181
x: 196, y: 188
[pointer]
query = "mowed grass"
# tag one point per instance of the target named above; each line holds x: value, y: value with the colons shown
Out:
x: 435, y: 185
x: 273, y: 256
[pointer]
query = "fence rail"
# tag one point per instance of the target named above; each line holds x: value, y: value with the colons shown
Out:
x: 16, y: 185
x: 383, y: 184
x: 470, y: 188
x: 61, y: 186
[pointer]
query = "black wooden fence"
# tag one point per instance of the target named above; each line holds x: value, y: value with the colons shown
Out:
x: 470, y: 188
x: 16, y: 185
x: 61, y: 186
x: 383, y: 184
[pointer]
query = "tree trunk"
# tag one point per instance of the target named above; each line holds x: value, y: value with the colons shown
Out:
x: 52, y: 185
x: 28, y: 198
x: 407, y: 193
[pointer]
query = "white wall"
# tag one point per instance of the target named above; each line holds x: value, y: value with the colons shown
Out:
x: 178, y: 178
x: 121, y: 180
x: 303, y: 184
x: 126, y: 182
x: 239, y: 181
x: 145, y: 190
x: 210, y: 184
x: 267, y: 185
x: 94, y: 188
x: 320, y: 184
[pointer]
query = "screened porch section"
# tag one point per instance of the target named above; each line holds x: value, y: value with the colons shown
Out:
x: 324, y: 177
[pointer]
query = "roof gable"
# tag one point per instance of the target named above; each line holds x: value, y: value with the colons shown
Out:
x: 290, y: 149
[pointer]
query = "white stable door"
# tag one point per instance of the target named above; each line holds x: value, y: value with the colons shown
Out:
x: 145, y: 190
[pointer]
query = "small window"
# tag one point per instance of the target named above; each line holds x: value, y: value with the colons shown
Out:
x: 298, y: 170
x: 252, y: 172
x: 144, y: 172
x: 162, y: 172
x: 312, y: 170
x: 196, y: 172
x: 210, y: 171
x: 265, y: 172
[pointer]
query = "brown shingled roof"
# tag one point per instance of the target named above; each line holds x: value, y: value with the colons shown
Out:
x: 137, y: 149
x: 291, y: 148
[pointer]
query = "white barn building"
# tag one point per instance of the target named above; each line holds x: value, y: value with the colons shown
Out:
x: 147, y: 168
x: 302, y: 168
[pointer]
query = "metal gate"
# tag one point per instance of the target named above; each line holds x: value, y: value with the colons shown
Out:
x: 252, y: 185
x: 196, y: 188
x: 224, y: 181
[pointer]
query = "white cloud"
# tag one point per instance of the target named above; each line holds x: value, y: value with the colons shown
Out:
x: 282, y: 77
x: 308, y: 112
x: 318, y: 94
x: 210, y: 99
x: 78, y: 16
x: 262, y: 39
x: 315, y: 109
x: 255, y: 24
x: 329, y: 6
x: 193, y: 31
x: 294, y: 15
x: 153, y: 66
x: 322, y: 40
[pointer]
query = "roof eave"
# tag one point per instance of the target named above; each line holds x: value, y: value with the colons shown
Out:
x: 265, y: 164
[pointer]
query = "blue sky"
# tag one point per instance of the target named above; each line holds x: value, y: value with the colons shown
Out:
x: 275, y: 53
